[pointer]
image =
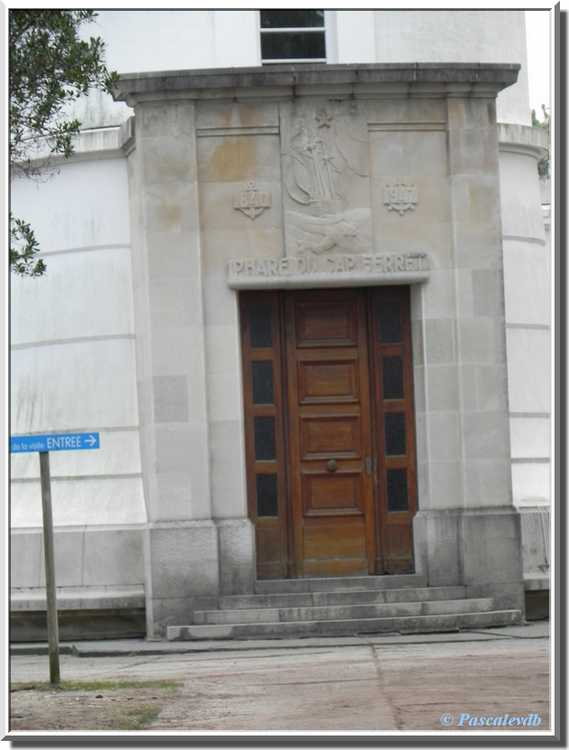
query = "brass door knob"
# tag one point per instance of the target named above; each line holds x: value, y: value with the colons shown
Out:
x: 332, y: 465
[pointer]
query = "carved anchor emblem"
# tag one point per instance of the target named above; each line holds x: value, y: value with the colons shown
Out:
x: 400, y: 198
x: 323, y: 119
x: 252, y: 201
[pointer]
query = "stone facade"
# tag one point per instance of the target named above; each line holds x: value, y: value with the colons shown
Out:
x: 321, y: 176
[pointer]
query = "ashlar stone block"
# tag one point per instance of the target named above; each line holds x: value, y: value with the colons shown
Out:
x: 437, y: 551
x: 236, y: 556
x: 442, y: 388
x: 491, y: 555
x: 113, y: 557
x: 440, y: 341
x: 171, y: 398
x: 26, y: 559
x: 182, y: 567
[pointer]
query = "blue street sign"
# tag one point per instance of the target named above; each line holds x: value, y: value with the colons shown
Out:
x: 65, y: 441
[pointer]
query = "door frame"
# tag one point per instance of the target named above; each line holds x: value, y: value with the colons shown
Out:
x: 380, y: 520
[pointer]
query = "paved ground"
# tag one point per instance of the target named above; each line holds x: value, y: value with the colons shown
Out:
x: 389, y: 683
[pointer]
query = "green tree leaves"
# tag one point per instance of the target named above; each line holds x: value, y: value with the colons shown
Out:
x: 23, y: 249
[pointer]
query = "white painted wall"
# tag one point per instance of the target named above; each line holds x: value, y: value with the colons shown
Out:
x: 459, y: 36
x: 152, y: 40
x: 527, y: 286
x: 73, y: 369
x: 148, y: 40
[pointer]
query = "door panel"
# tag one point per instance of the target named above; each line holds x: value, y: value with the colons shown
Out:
x: 318, y: 323
x: 265, y: 431
x: 349, y: 548
x: 326, y: 434
x: 395, y: 427
x: 329, y: 431
x: 322, y: 381
x: 338, y: 494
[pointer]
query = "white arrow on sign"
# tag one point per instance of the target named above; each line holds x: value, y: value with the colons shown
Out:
x: 91, y: 440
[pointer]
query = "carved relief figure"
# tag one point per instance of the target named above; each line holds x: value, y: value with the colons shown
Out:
x: 313, y: 167
x: 320, y: 164
x: 321, y: 234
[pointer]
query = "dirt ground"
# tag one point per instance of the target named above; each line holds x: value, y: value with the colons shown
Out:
x: 348, y: 688
x: 98, y: 709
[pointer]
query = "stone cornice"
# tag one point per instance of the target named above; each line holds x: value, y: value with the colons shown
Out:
x: 442, y: 79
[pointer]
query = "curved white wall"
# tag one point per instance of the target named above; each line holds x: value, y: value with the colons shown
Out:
x: 527, y: 289
x: 73, y: 369
x: 527, y: 284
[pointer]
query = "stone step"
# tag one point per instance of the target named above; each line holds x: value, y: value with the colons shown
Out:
x: 342, y: 597
x: 80, y: 598
x: 350, y: 611
x: 369, y: 625
x: 353, y: 583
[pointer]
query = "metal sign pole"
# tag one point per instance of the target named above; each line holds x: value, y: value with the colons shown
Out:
x: 52, y: 626
x: 42, y: 444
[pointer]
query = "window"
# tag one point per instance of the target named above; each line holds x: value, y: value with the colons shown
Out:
x: 292, y: 36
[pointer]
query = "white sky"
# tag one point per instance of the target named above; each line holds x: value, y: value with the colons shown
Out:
x: 537, y: 31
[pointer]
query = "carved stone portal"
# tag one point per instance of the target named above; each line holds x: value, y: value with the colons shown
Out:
x: 326, y: 180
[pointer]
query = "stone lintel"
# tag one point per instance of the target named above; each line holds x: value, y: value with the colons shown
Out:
x: 491, y: 77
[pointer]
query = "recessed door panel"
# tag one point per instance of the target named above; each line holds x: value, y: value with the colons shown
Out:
x: 344, y: 557
x: 326, y: 436
x: 331, y: 381
x: 332, y: 495
x: 318, y: 324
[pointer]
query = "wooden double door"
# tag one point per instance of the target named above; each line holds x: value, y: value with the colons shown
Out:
x: 330, y: 438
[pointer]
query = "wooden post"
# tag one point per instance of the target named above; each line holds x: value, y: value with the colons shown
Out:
x: 52, y: 626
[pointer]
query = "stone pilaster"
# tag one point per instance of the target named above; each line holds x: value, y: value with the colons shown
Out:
x: 181, y: 551
x: 467, y: 530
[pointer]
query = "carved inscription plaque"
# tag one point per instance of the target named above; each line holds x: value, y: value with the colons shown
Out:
x: 327, y: 270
